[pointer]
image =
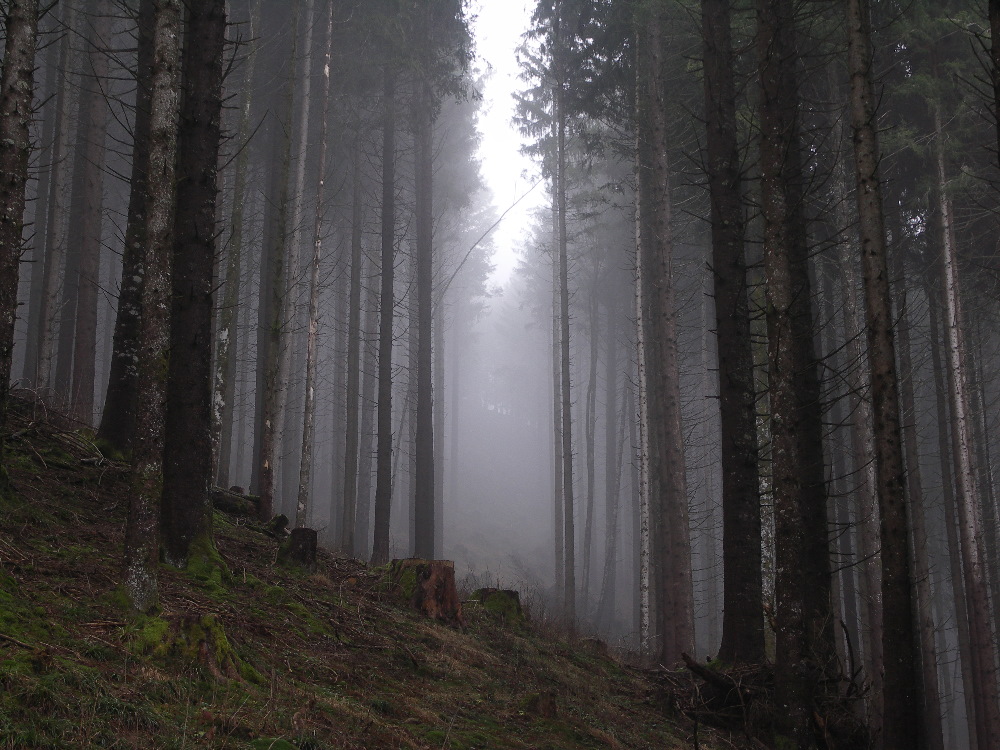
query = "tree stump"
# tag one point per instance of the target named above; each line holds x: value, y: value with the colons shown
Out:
x: 429, y: 587
x: 300, y: 549
x: 503, y: 604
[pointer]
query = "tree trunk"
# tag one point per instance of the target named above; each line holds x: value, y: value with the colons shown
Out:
x: 366, y: 444
x: 55, y: 220
x: 271, y: 336
x: 146, y: 475
x: 423, y: 481
x: 590, y: 440
x: 805, y: 654
x: 40, y: 242
x: 901, y: 679
x: 671, y: 545
x: 16, y: 91
x: 118, y: 417
x: 224, y: 380
x: 85, y: 217
x: 291, y: 362
x: 983, y: 668
x: 557, y: 463
x: 309, y: 408
x: 613, y: 447
x: 348, y: 541
x: 743, y: 614
x: 931, y: 708
x: 383, y: 478
x: 958, y: 605
x: 187, y: 456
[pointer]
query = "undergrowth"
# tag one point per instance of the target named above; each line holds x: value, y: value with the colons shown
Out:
x: 246, y: 654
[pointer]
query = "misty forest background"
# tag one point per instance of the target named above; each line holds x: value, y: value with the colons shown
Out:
x: 737, y: 400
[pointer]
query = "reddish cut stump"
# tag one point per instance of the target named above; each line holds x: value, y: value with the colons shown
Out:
x: 429, y: 587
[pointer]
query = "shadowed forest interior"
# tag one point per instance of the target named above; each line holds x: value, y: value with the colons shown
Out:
x: 717, y: 385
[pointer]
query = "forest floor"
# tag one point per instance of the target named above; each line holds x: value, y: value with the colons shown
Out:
x: 269, y: 656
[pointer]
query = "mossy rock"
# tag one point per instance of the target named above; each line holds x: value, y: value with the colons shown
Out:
x: 503, y: 605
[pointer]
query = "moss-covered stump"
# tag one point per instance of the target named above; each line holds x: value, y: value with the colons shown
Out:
x: 429, y: 587
x: 193, y: 640
x: 503, y: 604
x: 300, y: 549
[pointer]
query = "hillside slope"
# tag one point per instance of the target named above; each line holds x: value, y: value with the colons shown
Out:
x: 266, y: 656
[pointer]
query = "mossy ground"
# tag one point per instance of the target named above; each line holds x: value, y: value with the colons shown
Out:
x: 327, y: 660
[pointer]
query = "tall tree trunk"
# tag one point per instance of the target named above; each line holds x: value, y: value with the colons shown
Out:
x: 16, y: 90
x: 557, y: 462
x: 118, y: 417
x: 901, y: 678
x: 671, y: 547
x: 187, y: 455
x: 958, y: 606
x: 805, y: 654
x: 55, y: 220
x: 366, y: 444
x: 146, y: 475
x: 613, y: 447
x: 40, y: 241
x: 309, y: 408
x: 590, y: 440
x: 924, y: 618
x: 383, y: 477
x: 85, y: 216
x: 348, y: 539
x: 569, y: 533
x: 423, y: 481
x: 640, y: 444
x: 291, y: 362
x: 743, y: 613
x: 271, y: 335
x: 983, y: 668
x: 224, y: 379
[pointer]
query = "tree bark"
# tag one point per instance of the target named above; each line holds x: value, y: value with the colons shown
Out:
x: 271, y: 337
x: 86, y: 218
x: 348, y: 542
x: 16, y: 91
x: 805, y: 654
x: 743, y: 614
x: 383, y: 478
x: 224, y: 380
x: 146, y: 475
x: 423, y: 481
x: 947, y: 458
x: 55, y: 220
x: 671, y: 545
x: 369, y: 385
x: 118, y: 417
x: 931, y: 708
x: 590, y: 440
x: 186, y: 514
x: 983, y: 668
x: 901, y: 678
x: 309, y: 408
